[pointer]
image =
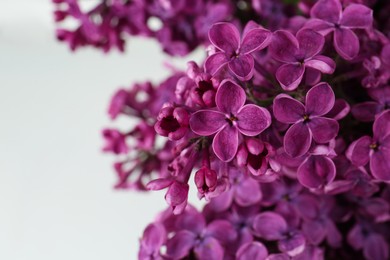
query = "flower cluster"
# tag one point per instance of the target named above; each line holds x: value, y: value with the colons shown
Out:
x: 284, y: 129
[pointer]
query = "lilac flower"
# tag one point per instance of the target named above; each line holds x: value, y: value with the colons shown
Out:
x: 206, y: 180
x: 273, y: 227
x: 233, y: 51
x: 299, y: 53
x: 308, y: 121
x: 367, y: 111
x: 206, y: 240
x: 230, y: 118
x: 172, y: 122
x: 153, y: 238
x: 329, y: 17
x: 115, y: 141
x: 375, y: 150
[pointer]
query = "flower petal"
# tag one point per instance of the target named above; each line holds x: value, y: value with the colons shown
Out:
x: 319, y: 100
x: 221, y: 230
x: 322, y: 63
x: 225, y: 37
x: 209, y: 248
x: 316, y: 171
x: 180, y: 245
x: 290, y: 76
x: 242, y: 66
x: 287, y: 109
x: 323, y: 129
x: 310, y: 42
x: 284, y: 46
x: 215, y: 62
x: 255, y: 39
x: 328, y: 10
x: 297, y: 140
x: 380, y: 163
x: 314, y: 231
x: 269, y: 225
x: 252, y: 251
x: 320, y: 26
x: 225, y: 143
x: 252, y: 120
x: 230, y: 97
x: 346, y: 43
x: 207, y: 122
x: 357, y: 16
x: 292, y: 245
x: 242, y: 191
x: 154, y: 236
x: 359, y: 150
x: 381, y: 125
x: 365, y: 111
x: 376, y: 247
x: 340, y: 109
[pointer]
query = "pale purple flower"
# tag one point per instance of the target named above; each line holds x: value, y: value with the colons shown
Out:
x: 234, y: 51
x: 229, y: 119
x: 375, y: 150
x: 299, y: 53
x: 153, y: 238
x: 308, y: 121
x: 252, y: 251
x: 328, y: 17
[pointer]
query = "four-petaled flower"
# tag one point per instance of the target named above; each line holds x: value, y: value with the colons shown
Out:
x: 308, y: 121
x: 230, y: 118
x: 375, y: 150
x: 329, y: 17
x: 299, y: 53
x: 233, y: 51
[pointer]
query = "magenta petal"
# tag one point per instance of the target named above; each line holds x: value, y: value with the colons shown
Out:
x: 247, y: 193
x: 310, y: 42
x: 381, y: 126
x: 346, y: 43
x: 284, y: 46
x: 323, y: 129
x: 215, y: 62
x: 328, y: 10
x: 252, y: 251
x: 225, y: 143
x: 365, y: 111
x: 340, y: 109
x: 316, y: 171
x: 209, y: 248
x: 225, y: 37
x: 230, y: 97
x: 269, y: 225
x: 297, y: 140
x: 357, y: 16
x: 255, y: 39
x: 319, y: 100
x: 376, y: 247
x: 320, y: 26
x: 358, y: 152
x: 380, y: 163
x: 290, y: 76
x: 315, y: 231
x: 242, y: 66
x: 180, y: 245
x: 221, y: 230
x: 292, y: 245
x: 322, y: 63
x: 252, y: 120
x: 207, y: 122
x: 287, y: 109
x: 177, y: 193
x: 154, y: 236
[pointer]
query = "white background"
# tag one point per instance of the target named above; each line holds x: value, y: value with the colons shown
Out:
x: 56, y: 195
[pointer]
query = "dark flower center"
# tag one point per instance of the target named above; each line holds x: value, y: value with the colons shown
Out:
x: 231, y: 119
x: 306, y: 118
x: 204, y: 86
x: 374, y: 146
x: 170, y: 124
